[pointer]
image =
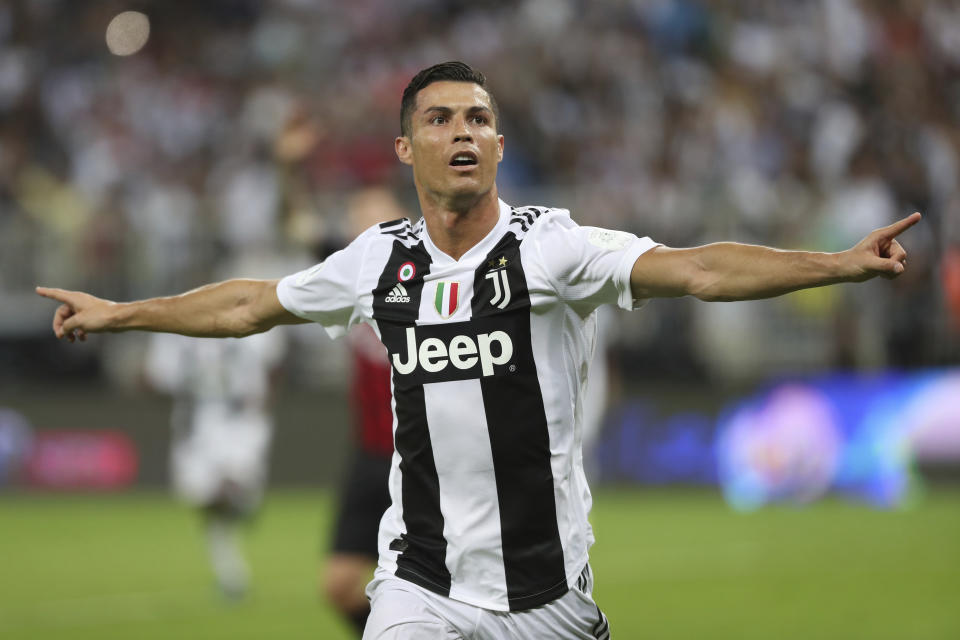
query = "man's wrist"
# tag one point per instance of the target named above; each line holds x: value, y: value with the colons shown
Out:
x: 120, y: 316
x: 844, y: 268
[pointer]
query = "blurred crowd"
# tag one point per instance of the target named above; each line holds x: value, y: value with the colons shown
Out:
x: 243, y: 126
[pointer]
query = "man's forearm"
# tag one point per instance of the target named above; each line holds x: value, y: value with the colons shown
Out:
x: 731, y: 271
x: 223, y: 309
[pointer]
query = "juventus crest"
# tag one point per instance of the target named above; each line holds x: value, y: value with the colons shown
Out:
x: 501, y: 283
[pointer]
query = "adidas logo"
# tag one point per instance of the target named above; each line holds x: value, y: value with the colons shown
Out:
x: 397, y: 294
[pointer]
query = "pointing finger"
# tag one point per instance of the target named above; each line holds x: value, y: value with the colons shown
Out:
x: 53, y: 294
x: 898, y: 227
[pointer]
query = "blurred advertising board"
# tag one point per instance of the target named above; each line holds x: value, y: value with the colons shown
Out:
x: 796, y: 440
x: 16, y: 439
x: 80, y: 460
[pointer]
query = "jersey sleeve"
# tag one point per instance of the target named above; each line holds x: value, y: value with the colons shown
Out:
x: 327, y: 293
x: 588, y: 266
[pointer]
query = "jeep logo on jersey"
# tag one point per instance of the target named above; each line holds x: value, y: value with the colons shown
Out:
x: 463, y: 352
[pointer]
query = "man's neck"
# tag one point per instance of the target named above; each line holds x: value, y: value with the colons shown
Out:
x: 457, y: 227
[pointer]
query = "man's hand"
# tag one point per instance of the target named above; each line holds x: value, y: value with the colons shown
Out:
x: 879, y: 254
x: 79, y: 314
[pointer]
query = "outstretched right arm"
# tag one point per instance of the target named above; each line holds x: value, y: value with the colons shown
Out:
x: 234, y: 308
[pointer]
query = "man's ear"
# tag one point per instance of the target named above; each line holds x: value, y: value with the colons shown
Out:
x: 403, y: 149
x: 499, y: 148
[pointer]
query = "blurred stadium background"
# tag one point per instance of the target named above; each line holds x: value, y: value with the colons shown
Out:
x: 232, y: 142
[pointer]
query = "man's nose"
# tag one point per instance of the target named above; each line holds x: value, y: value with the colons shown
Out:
x: 461, y: 132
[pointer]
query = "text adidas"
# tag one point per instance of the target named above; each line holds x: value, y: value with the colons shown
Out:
x: 397, y: 294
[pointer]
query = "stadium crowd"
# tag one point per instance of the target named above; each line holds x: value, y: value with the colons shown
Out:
x: 243, y: 125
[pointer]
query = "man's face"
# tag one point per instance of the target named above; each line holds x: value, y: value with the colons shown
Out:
x: 453, y: 144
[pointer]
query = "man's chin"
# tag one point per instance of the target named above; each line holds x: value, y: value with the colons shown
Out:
x: 463, y: 194
x: 465, y: 185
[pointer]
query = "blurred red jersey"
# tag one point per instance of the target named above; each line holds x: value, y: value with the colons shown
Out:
x: 370, y: 392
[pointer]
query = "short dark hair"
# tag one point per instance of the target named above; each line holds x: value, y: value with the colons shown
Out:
x: 453, y: 71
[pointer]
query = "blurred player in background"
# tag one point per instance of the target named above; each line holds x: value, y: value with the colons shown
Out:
x: 363, y: 495
x: 222, y: 427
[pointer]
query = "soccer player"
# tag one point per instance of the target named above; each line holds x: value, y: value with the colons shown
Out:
x: 482, y: 308
x: 222, y: 427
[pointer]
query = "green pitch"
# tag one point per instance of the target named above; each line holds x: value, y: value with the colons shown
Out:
x: 669, y: 565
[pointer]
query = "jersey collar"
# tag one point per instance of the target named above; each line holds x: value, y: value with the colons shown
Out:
x: 480, y: 249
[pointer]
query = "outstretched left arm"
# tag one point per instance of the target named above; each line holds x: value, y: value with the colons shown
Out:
x: 728, y: 271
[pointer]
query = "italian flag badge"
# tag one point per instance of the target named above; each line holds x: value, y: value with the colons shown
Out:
x: 448, y: 297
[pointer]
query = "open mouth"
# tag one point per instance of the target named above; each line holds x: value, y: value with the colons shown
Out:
x: 464, y: 159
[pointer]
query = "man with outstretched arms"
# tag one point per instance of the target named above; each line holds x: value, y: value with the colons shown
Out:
x: 485, y: 310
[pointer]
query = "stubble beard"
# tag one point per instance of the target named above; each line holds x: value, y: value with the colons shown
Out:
x: 464, y: 201
x: 460, y: 199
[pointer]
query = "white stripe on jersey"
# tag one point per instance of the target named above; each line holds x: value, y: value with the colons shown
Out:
x: 468, y: 496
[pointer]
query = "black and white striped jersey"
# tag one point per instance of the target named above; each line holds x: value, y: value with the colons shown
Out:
x: 489, y: 354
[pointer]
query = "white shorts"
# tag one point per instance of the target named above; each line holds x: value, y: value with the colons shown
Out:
x: 401, y: 610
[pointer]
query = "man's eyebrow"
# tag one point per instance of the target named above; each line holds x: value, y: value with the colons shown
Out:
x: 447, y: 110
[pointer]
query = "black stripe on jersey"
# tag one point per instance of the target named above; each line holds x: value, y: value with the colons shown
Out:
x: 524, y: 217
x: 423, y: 547
x: 601, y: 630
x: 403, y: 229
x: 520, y: 441
x: 390, y: 226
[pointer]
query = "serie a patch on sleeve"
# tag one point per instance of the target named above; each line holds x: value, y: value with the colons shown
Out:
x: 608, y: 239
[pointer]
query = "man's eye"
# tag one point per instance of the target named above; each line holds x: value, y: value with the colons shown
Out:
x: 480, y: 119
x: 437, y: 120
